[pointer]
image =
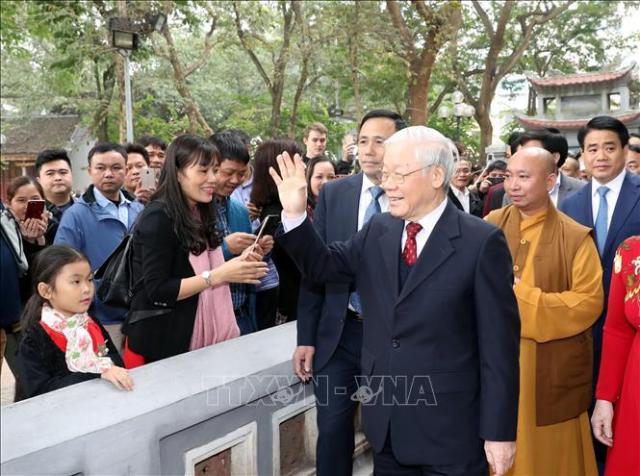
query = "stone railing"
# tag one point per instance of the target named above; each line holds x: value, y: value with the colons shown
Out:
x: 234, y: 408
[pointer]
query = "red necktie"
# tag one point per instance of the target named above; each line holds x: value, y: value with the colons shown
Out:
x: 410, y: 252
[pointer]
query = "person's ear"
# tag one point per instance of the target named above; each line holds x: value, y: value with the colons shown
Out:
x: 551, y: 181
x: 44, y: 290
x: 437, y: 177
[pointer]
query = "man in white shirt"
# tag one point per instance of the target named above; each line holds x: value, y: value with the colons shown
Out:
x: 439, y: 362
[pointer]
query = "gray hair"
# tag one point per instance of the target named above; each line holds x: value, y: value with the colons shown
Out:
x: 432, y: 149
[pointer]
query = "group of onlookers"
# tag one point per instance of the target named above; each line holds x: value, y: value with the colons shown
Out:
x: 513, y: 319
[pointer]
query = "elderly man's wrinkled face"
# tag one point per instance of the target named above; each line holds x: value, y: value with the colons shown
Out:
x: 413, y: 190
x: 529, y: 179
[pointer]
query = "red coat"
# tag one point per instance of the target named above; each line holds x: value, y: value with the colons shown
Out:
x: 619, y: 380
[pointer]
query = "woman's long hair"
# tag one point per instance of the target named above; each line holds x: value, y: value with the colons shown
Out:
x: 310, y: 168
x: 45, y: 269
x: 196, y: 235
x: 264, y: 189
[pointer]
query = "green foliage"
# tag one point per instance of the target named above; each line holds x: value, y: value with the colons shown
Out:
x: 56, y: 57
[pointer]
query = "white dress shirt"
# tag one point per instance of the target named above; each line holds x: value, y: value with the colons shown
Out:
x: 428, y: 223
x: 366, y: 199
x: 615, y: 186
x: 555, y: 191
x: 463, y: 197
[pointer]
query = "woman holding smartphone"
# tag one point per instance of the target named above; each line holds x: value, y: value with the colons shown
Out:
x: 25, y: 214
x: 181, y: 299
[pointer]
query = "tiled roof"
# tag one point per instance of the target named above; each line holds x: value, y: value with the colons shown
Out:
x: 38, y: 133
x: 540, y: 123
x: 580, y: 78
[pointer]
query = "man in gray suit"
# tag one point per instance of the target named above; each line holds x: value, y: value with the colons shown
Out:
x: 555, y: 143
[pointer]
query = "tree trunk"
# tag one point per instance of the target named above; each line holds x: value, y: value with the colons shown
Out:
x: 302, y: 81
x: 486, y: 133
x: 105, y: 84
x: 121, y: 7
x: 418, y: 100
x: 353, y: 60
x: 197, y: 122
x: 276, y: 106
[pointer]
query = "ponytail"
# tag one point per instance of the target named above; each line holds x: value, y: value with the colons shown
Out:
x: 32, y: 311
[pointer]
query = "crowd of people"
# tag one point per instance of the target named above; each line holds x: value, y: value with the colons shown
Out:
x: 512, y: 287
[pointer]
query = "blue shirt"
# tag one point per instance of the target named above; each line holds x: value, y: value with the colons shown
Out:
x: 120, y: 212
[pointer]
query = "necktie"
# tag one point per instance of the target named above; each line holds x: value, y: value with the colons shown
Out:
x: 373, y: 208
x: 602, y: 219
x: 410, y: 252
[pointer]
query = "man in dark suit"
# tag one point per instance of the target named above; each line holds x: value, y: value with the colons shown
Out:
x: 441, y: 327
x: 609, y: 203
x: 329, y: 320
x: 459, y: 194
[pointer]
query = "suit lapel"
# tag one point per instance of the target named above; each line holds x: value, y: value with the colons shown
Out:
x: 585, y: 205
x: 629, y: 195
x: 352, y: 196
x: 436, y: 251
x: 390, y: 250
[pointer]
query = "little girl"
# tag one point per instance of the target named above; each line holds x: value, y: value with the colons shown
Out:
x: 61, y: 344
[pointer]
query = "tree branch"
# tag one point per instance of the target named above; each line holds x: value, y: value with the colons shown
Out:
x: 488, y: 26
x: 247, y: 48
x: 403, y: 30
x: 208, y: 45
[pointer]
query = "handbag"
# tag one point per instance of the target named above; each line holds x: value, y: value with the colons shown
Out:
x: 116, y: 275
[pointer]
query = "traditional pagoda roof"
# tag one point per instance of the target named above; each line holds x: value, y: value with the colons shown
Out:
x: 542, y: 123
x: 580, y: 78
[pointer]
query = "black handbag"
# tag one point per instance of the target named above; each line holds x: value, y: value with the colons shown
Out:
x: 115, y: 276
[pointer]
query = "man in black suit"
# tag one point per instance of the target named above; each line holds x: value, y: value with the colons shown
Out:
x: 459, y: 193
x: 329, y: 317
x: 441, y: 326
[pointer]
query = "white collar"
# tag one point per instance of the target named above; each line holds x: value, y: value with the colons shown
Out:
x: 614, y: 185
x: 429, y: 221
x: 104, y: 201
x: 366, y: 184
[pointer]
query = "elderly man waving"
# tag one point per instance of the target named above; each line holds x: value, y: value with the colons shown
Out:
x: 441, y: 325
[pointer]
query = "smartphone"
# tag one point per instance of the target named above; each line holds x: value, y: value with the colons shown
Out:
x: 495, y: 180
x: 262, y: 228
x: 35, y: 208
x: 148, y: 178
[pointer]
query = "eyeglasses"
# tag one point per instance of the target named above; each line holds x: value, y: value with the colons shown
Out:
x: 398, y: 178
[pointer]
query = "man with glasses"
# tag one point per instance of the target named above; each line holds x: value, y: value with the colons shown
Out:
x: 439, y: 359
x: 233, y: 220
x: 459, y: 194
x: 330, y: 317
x: 99, y: 220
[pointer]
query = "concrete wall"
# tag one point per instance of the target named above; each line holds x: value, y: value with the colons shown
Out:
x: 183, y: 410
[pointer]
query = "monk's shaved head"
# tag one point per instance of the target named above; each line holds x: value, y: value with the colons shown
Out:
x: 531, y: 175
x: 538, y: 156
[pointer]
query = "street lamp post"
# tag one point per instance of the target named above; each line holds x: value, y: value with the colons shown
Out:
x: 124, y: 37
x: 460, y: 111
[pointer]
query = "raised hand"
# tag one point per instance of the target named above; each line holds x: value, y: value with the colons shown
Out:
x: 291, y: 183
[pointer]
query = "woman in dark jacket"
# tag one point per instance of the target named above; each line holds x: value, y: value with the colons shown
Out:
x: 265, y: 196
x: 178, y: 268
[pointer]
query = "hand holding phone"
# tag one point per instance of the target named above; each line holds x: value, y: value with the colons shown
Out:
x: 35, y: 209
x: 148, y: 178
